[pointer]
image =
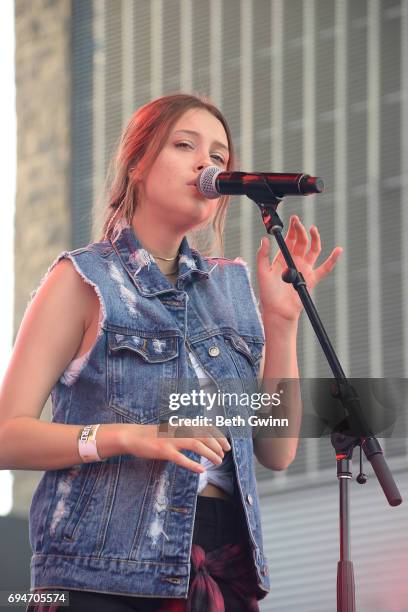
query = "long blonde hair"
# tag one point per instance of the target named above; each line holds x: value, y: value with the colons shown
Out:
x: 138, y: 148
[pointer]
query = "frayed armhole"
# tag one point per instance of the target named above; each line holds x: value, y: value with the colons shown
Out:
x: 75, y: 367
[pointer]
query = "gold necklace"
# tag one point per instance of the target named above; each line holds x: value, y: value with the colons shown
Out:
x: 166, y: 258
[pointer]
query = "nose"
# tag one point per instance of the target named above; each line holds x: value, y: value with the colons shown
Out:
x: 204, y: 162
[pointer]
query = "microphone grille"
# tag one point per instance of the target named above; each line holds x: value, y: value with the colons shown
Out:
x: 206, y: 182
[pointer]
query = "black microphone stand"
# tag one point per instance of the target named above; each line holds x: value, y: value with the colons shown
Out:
x: 352, y: 431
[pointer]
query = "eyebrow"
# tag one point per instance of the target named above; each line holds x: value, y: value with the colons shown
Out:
x: 216, y: 142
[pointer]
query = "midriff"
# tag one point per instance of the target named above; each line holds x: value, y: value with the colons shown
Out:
x: 211, y: 490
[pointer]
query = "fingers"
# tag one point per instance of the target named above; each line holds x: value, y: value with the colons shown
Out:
x: 290, y: 237
x: 215, y: 443
x: 197, y: 446
x: 301, y: 241
x: 205, y: 449
x: 264, y: 250
x: 208, y: 442
x: 262, y: 256
x: 328, y: 265
x: 315, y: 246
x: 296, y: 240
x: 176, y: 457
x: 290, y: 240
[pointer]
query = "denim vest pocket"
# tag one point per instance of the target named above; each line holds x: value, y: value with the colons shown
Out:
x: 140, y: 366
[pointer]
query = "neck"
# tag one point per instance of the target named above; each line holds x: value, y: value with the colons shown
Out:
x: 160, y: 241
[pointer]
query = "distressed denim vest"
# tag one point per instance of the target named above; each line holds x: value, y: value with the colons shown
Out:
x: 125, y: 525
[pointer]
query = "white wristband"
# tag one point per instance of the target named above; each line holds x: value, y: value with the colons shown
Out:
x: 87, y: 447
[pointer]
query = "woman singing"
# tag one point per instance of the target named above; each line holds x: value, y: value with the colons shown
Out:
x: 133, y: 513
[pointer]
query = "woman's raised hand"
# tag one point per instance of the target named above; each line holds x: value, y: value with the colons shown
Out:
x: 277, y: 297
x: 145, y: 441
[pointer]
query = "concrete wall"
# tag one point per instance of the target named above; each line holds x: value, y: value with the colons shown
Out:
x: 43, y: 226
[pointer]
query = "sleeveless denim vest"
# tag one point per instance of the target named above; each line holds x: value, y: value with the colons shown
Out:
x: 125, y: 525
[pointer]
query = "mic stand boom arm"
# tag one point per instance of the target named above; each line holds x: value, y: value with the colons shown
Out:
x: 343, y: 437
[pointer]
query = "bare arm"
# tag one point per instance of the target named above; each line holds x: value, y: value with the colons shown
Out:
x: 30, y: 444
x: 49, y: 337
x: 273, y: 451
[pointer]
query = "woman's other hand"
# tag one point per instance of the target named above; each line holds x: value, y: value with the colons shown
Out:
x: 277, y: 297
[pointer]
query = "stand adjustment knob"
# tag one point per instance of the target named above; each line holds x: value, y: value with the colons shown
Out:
x: 361, y: 478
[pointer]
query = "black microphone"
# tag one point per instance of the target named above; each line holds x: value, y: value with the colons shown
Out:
x: 213, y: 182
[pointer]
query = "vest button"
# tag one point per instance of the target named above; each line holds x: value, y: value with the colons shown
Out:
x: 213, y: 351
x: 249, y: 499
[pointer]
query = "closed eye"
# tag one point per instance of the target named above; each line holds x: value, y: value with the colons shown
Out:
x: 221, y: 159
x: 184, y: 145
x: 188, y: 145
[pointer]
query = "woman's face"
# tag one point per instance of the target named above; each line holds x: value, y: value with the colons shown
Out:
x: 197, y: 140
